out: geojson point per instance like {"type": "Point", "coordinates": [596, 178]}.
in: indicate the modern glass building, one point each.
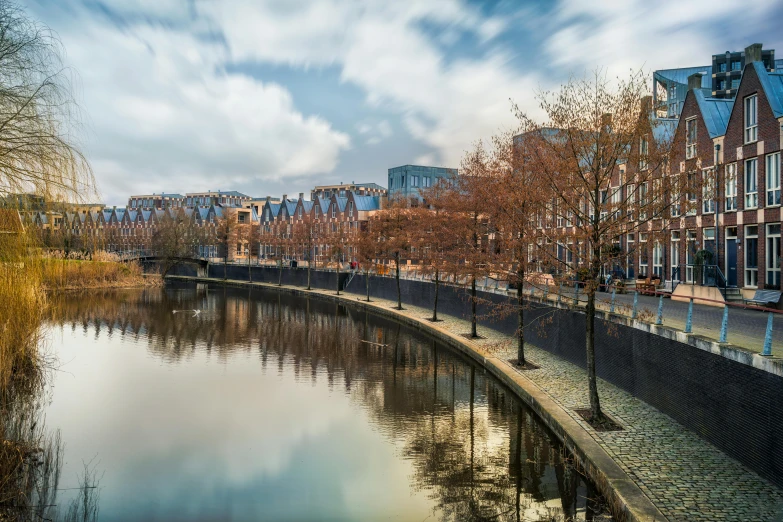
{"type": "Point", "coordinates": [407, 180]}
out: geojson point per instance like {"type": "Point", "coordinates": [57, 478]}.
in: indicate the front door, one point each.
{"type": "Point", "coordinates": [731, 261]}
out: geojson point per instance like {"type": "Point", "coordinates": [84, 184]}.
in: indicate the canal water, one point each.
{"type": "Point", "coordinates": [213, 403]}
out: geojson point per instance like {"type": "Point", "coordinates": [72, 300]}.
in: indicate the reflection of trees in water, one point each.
{"type": "Point", "coordinates": [477, 452]}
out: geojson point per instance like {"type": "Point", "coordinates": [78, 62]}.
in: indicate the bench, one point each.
{"type": "Point", "coordinates": [648, 285]}
{"type": "Point", "coordinates": [764, 297]}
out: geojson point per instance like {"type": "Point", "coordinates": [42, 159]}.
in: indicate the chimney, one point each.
{"type": "Point", "coordinates": [753, 53]}
{"type": "Point", "coordinates": [285, 196]}
{"type": "Point", "coordinates": [694, 81]}
{"type": "Point", "coordinates": [646, 104]}
{"type": "Point", "coordinates": [301, 195]}
{"type": "Point", "coordinates": [268, 199]}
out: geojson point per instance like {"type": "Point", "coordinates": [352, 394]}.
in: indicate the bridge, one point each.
{"type": "Point", "coordinates": [149, 257]}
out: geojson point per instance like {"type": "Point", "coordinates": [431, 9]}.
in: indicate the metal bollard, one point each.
{"type": "Point", "coordinates": [611, 306]}
{"type": "Point", "coordinates": [724, 325]}
{"type": "Point", "coordinates": [689, 320]}
{"type": "Point", "coordinates": [635, 311]}
{"type": "Point", "coordinates": [659, 320]}
{"type": "Point", "coordinates": [559, 293]}
{"type": "Point", "coordinates": [768, 338]}
{"type": "Point", "coordinates": [576, 293]}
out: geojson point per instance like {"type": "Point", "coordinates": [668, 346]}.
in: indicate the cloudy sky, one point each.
{"type": "Point", "coordinates": [275, 96]}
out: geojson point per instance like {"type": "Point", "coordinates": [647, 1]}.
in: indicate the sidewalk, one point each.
{"type": "Point", "coordinates": [685, 477]}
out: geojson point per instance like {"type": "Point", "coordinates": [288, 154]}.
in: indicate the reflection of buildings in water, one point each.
{"type": "Point", "coordinates": [478, 451]}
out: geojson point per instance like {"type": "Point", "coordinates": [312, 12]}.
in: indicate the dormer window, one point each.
{"type": "Point", "coordinates": [334, 211]}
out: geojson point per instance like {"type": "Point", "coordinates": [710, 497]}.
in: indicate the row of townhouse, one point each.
{"type": "Point", "coordinates": [127, 230]}
{"type": "Point", "coordinates": [324, 217]}
{"type": "Point", "coordinates": [734, 144]}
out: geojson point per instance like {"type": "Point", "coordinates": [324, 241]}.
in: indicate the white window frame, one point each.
{"type": "Point", "coordinates": [731, 187]}
{"type": "Point", "coordinates": [691, 141]}
{"type": "Point", "coordinates": [772, 171]}
{"type": "Point", "coordinates": [751, 184]}
{"type": "Point", "coordinates": [708, 191]}
{"type": "Point", "coordinates": [644, 151]}
{"type": "Point", "coordinates": [751, 273]}
{"type": "Point", "coordinates": [773, 260]}
{"type": "Point", "coordinates": [750, 104]}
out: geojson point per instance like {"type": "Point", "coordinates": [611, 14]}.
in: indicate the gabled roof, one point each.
{"type": "Point", "coordinates": [714, 111]}
{"type": "Point", "coordinates": [131, 215]}
{"type": "Point", "coordinates": [218, 211]}
{"type": "Point", "coordinates": [146, 214]}
{"type": "Point", "coordinates": [290, 206]}
{"type": "Point", "coordinates": [275, 209]}
{"type": "Point", "coordinates": [664, 129]}
{"type": "Point", "coordinates": [203, 212]}
{"type": "Point", "coordinates": [307, 205]}
{"type": "Point", "coordinates": [341, 203]}
{"type": "Point", "coordinates": [367, 202]}
{"type": "Point", "coordinates": [323, 203]}
{"type": "Point", "coordinates": [773, 88]}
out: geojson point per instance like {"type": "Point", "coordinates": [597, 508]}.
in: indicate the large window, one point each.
{"type": "Point", "coordinates": [751, 190]}
{"type": "Point", "coordinates": [751, 255]}
{"type": "Point", "coordinates": [708, 191]}
{"type": "Point", "coordinates": [643, 152]}
{"type": "Point", "coordinates": [675, 198]}
{"type": "Point", "coordinates": [658, 259]}
{"type": "Point", "coordinates": [751, 119]}
{"type": "Point", "coordinates": [731, 187]}
{"type": "Point", "coordinates": [427, 181]}
{"type": "Point", "coordinates": [773, 179]}
{"type": "Point", "coordinates": [773, 255]}
{"type": "Point", "coordinates": [690, 138]}
{"type": "Point", "coordinates": [675, 255]}
{"type": "Point", "coordinates": [414, 181]}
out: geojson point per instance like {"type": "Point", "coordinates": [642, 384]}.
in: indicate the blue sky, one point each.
{"type": "Point", "coordinates": [274, 96]}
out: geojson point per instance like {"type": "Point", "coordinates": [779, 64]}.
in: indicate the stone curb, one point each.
{"type": "Point", "coordinates": [628, 501]}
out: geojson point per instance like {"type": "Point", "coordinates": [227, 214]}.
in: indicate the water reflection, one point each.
{"type": "Point", "coordinates": [268, 406]}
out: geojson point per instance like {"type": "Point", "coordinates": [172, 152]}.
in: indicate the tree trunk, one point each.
{"type": "Point", "coordinates": [473, 332]}
{"type": "Point", "coordinates": [225, 265]}
{"type": "Point", "coordinates": [397, 276]}
{"type": "Point", "coordinates": [309, 264]}
{"type": "Point", "coordinates": [367, 281]}
{"type": "Point", "coordinates": [280, 273]}
{"type": "Point", "coordinates": [521, 319]}
{"type": "Point", "coordinates": [435, 304]}
{"type": "Point", "coordinates": [595, 404]}
{"type": "Point", "coordinates": [338, 277]}
{"type": "Point", "coordinates": [249, 270]}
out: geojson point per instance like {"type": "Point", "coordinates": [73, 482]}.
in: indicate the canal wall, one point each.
{"type": "Point", "coordinates": [730, 403]}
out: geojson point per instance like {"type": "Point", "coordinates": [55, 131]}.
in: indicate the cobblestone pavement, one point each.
{"type": "Point", "coordinates": [687, 478]}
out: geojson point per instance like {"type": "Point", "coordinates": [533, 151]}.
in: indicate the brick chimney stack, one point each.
{"type": "Point", "coordinates": [753, 53]}
{"type": "Point", "coordinates": [694, 81]}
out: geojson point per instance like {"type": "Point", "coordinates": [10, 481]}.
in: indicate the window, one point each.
{"type": "Point", "coordinates": [414, 181]}
{"type": "Point", "coordinates": [773, 256]}
{"type": "Point", "coordinates": [751, 255]}
{"type": "Point", "coordinates": [643, 152]}
{"type": "Point", "coordinates": [690, 255]}
{"type": "Point", "coordinates": [731, 187]}
{"type": "Point", "coordinates": [735, 83]}
{"type": "Point", "coordinates": [658, 259]}
{"type": "Point", "coordinates": [675, 198]}
{"type": "Point", "coordinates": [708, 191]}
{"type": "Point", "coordinates": [350, 209]}
{"type": "Point", "coordinates": [751, 191]}
{"type": "Point", "coordinates": [736, 65]}
{"type": "Point", "coordinates": [722, 67]}
{"type": "Point", "coordinates": [427, 182]}
{"type": "Point", "coordinates": [691, 195]}
{"type": "Point", "coordinates": [751, 119]}
{"type": "Point", "coordinates": [334, 211]}
{"type": "Point", "coordinates": [643, 259]}
{"type": "Point", "coordinates": [709, 242]}
{"type": "Point", "coordinates": [643, 201]}
{"type": "Point", "coordinates": [773, 179]}
{"type": "Point", "coordinates": [402, 182]}
{"type": "Point", "coordinates": [675, 255]}
{"type": "Point", "coordinates": [690, 138]}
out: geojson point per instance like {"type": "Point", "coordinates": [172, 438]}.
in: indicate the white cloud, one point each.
{"type": "Point", "coordinates": [165, 115]}
{"type": "Point", "coordinates": [621, 35]}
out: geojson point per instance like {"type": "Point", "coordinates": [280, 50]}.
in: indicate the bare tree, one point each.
{"type": "Point", "coordinates": [602, 159]}
{"type": "Point", "coordinates": [392, 227]}
{"type": "Point", "coordinates": [38, 114]}
{"type": "Point", "coordinates": [173, 240]}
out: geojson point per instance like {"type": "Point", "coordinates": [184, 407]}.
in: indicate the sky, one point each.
{"type": "Point", "coordinates": [272, 97]}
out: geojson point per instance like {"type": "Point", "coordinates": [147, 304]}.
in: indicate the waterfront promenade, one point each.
{"type": "Point", "coordinates": [683, 476]}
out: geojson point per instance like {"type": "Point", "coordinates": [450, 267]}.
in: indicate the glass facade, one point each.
{"type": "Point", "coordinates": [405, 181]}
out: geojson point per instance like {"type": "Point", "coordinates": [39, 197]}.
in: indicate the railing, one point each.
{"type": "Point", "coordinates": [702, 275]}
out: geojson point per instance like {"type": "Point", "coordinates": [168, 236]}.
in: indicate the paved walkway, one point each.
{"type": "Point", "coordinates": [687, 478]}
